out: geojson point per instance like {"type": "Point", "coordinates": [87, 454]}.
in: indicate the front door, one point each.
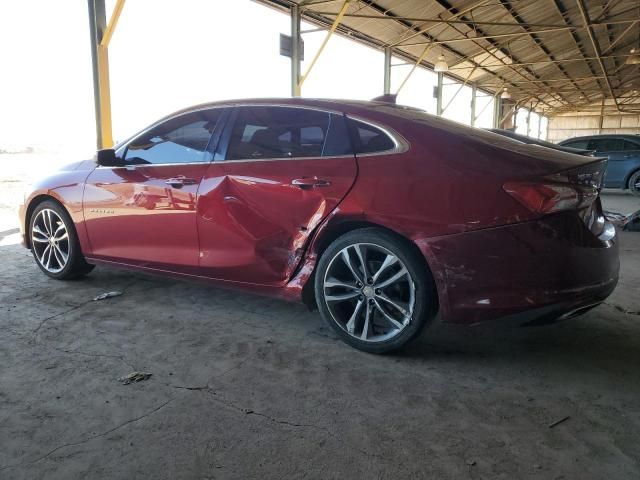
{"type": "Point", "coordinates": [281, 171]}
{"type": "Point", "coordinates": [144, 213]}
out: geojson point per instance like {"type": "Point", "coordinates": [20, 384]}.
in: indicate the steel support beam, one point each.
{"type": "Point", "coordinates": [388, 54]}
{"type": "Point", "coordinates": [389, 15]}
{"type": "Point", "coordinates": [534, 35]}
{"type": "Point", "coordinates": [97, 25]}
{"type": "Point", "coordinates": [295, 50]}
{"type": "Point", "coordinates": [101, 34]}
{"type": "Point", "coordinates": [470, 22]}
{"type": "Point", "coordinates": [497, 108]}
{"type": "Point", "coordinates": [413, 69]}
{"type": "Point", "coordinates": [462, 85]}
{"type": "Point", "coordinates": [439, 94]}
{"type": "Point", "coordinates": [596, 48]}
{"type": "Point", "coordinates": [446, 5]}
{"type": "Point", "coordinates": [474, 91]}
{"type": "Point", "coordinates": [333, 28]}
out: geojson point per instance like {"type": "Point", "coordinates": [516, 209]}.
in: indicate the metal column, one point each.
{"type": "Point", "coordinates": [497, 109]}
{"type": "Point", "coordinates": [387, 70]}
{"type": "Point", "coordinates": [334, 27]}
{"type": "Point", "coordinates": [439, 92]}
{"type": "Point", "coordinates": [101, 33]}
{"type": "Point", "coordinates": [97, 26]}
{"type": "Point", "coordinates": [540, 117]}
{"type": "Point", "coordinates": [528, 122]}
{"type": "Point", "coordinates": [295, 50]}
{"type": "Point", "coordinates": [474, 91]}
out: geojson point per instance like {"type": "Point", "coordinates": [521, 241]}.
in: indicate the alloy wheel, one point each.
{"type": "Point", "coordinates": [50, 240]}
{"type": "Point", "coordinates": [369, 292]}
{"type": "Point", "coordinates": [635, 185]}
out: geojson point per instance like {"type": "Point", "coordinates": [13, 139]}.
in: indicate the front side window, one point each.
{"type": "Point", "coordinates": [265, 132]}
{"type": "Point", "coordinates": [606, 144]}
{"type": "Point", "coordinates": [582, 144]}
{"type": "Point", "coordinates": [369, 139]}
{"type": "Point", "coordinates": [182, 139]}
{"type": "Point", "coordinates": [631, 145]}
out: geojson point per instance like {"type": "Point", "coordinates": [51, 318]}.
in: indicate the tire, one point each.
{"type": "Point", "coordinates": [634, 183]}
{"type": "Point", "coordinates": [397, 310]}
{"type": "Point", "coordinates": [54, 242]}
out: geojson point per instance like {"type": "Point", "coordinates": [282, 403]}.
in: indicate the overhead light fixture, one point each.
{"type": "Point", "coordinates": [633, 59]}
{"type": "Point", "coordinates": [505, 94]}
{"type": "Point", "coordinates": [441, 65]}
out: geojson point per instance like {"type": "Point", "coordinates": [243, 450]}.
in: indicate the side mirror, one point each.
{"type": "Point", "coordinates": [107, 158]}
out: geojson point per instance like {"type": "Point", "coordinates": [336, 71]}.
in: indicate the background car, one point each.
{"type": "Point", "coordinates": [380, 216]}
{"type": "Point", "coordinates": [623, 152]}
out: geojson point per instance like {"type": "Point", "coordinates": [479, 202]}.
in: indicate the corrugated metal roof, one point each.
{"type": "Point", "coordinates": [559, 54]}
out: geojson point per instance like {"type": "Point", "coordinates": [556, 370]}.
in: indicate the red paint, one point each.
{"type": "Point", "coordinates": [246, 225]}
{"type": "Point", "coordinates": [254, 224]}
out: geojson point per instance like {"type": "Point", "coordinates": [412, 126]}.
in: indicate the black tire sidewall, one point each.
{"type": "Point", "coordinates": [415, 264]}
{"type": "Point", "coordinates": [75, 265]}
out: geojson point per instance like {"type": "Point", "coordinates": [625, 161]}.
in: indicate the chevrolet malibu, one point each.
{"type": "Point", "coordinates": [382, 216]}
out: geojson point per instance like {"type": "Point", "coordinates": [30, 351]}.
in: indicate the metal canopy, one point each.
{"type": "Point", "coordinates": [559, 55]}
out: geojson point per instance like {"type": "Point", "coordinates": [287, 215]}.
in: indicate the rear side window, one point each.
{"type": "Point", "coordinates": [631, 145]}
{"type": "Point", "coordinates": [606, 144]}
{"type": "Point", "coordinates": [582, 144]}
{"type": "Point", "coordinates": [369, 139]}
{"type": "Point", "coordinates": [286, 132]}
{"type": "Point", "coordinates": [182, 139]}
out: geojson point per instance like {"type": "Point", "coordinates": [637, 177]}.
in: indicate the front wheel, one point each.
{"type": "Point", "coordinates": [54, 242]}
{"type": "Point", "coordinates": [374, 290]}
{"type": "Point", "coordinates": [634, 183]}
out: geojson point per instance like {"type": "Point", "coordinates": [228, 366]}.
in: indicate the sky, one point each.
{"type": "Point", "coordinates": [166, 55]}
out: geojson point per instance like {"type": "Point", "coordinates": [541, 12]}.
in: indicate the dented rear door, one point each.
{"type": "Point", "coordinates": [279, 171]}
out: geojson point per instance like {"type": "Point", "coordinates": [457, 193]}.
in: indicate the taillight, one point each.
{"type": "Point", "coordinates": [572, 189]}
{"type": "Point", "coordinates": [551, 197]}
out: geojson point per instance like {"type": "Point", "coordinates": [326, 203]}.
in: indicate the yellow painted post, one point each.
{"type": "Point", "coordinates": [333, 28]}
{"type": "Point", "coordinates": [105, 96]}
{"type": "Point", "coordinates": [101, 33]}
{"type": "Point", "coordinates": [103, 76]}
{"type": "Point", "coordinates": [113, 21]}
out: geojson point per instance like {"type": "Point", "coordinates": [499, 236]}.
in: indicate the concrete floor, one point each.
{"type": "Point", "coordinates": [246, 387]}
{"type": "Point", "coordinates": [620, 201]}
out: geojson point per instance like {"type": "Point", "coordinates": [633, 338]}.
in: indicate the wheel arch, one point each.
{"type": "Point", "coordinates": [33, 204]}
{"type": "Point", "coordinates": [627, 180]}
{"type": "Point", "coordinates": [334, 230]}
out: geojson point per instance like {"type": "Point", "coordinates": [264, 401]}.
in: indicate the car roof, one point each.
{"type": "Point", "coordinates": [628, 136]}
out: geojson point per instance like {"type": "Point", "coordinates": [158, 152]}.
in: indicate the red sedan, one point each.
{"type": "Point", "coordinates": [383, 216]}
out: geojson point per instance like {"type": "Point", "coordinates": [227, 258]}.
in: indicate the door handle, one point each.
{"type": "Point", "coordinates": [179, 182]}
{"type": "Point", "coordinates": [310, 182]}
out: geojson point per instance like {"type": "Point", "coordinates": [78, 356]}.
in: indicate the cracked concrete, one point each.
{"type": "Point", "coordinates": [247, 387]}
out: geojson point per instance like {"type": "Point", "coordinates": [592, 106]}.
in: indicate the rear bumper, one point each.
{"type": "Point", "coordinates": [540, 270]}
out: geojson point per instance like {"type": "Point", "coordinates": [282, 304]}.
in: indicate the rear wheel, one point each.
{"type": "Point", "coordinates": [634, 183]}
{"type": "Point", "coordinates": [54, 242]}
{"type": "Point", "coordinates": [374, 290]}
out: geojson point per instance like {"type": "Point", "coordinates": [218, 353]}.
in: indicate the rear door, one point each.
{"type": "Point", "coordinates": [278, 173]}
{"type": "Point", "coordinates": [613, 149]}
{"type": "Point", "coordinates": [144, 213]}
